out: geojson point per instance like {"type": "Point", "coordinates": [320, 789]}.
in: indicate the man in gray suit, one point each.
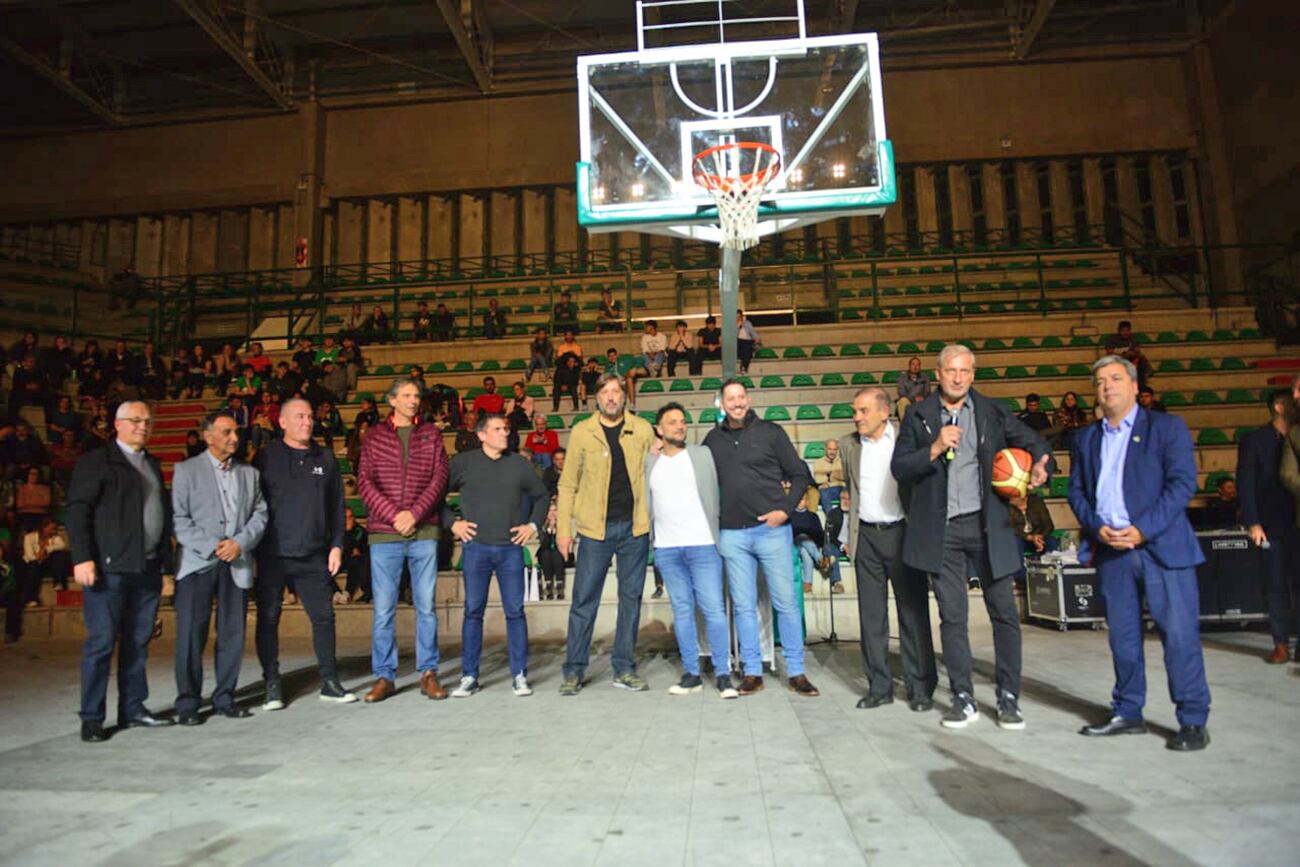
{"type": "Point", "coordinates": [219, 515]}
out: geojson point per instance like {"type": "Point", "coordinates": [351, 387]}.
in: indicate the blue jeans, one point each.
{"type": "Point", "coordinates": [119, 610]}
{"type": "Point", "coordinates": [744, 551]}
{"type": "Point", "coordinates": [693, 576]}
{"type": "Point", "coordinates": [386, 559]}
{"type": "Point", "coordinates": [830, 498]}
{"type": "Point", "coordinates": [479, 562]}
{"type": "Point", "coordinates": [594, 557]}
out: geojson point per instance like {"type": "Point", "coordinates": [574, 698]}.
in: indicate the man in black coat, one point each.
{"type": "Point", "coordinates": [957, 528]}
{"type": "Point", "coordinates": [119, 524]}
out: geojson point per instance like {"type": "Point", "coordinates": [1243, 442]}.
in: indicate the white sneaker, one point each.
{"type": "Point", "coordinates": [273, 704]}
{"type": "Point", "coordinates": [521, 686]}
{"type": "Point", "coordinates": [468, 686]}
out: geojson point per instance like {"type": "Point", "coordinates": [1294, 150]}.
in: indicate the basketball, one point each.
{"type": "Point", "coordinates": [1011, 469]}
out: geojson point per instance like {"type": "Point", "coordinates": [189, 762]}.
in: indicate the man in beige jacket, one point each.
{"type": "Point", "coordinates": [602, 501]}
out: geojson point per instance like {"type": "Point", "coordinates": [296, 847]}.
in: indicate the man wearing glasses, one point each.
{"type": "Point", "coordinates": [119, 520]}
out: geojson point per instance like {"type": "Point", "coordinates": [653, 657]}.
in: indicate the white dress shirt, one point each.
{"type": "Point", "coordinates": [878, 501]}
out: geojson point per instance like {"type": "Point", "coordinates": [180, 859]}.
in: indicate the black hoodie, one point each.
{"type": "Point", "coordinates": [753, 461]}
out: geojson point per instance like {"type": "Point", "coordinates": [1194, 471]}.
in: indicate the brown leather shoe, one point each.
{"type": "Point", "coordinates": [803, 686]}
{"type": "Point", "coordinates": [750, 684]}
{"type": "Point", "coordinates": [1280, 654]}
{"type": "Point", "coordinates": [382, 689]}
{"type": "Point", "coordinates": [430, 687]}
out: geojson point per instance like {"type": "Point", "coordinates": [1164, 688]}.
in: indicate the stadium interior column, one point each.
{"type": "Point", "coordinates": [502, 240]}
{"type": "Point", "coordinates": [1031, 211]}
{"type": "Point", "coordinates": [410, 229]}
{"type": "Point", "coordinates": [121, 244]}
{"type": "Point", "coordinates": [308, 217]}
{"type": "Point", "coordinates": [1162, 195]}
{"type": "Point", "coordinates": [959, 190]}
{"type": "Point", "coordinates": [1062, 204]}
{"type": "Point", "coordinates": [203, 242]}
{"type": "Point", "coordinates": [471, 245]}
{"type": "Point", "coordinates": [1130, 205]}
{"type": "Point", "coordinates": [439, 228]}
{"type": "Point", "coordinates": [566, 221]}
{"type": "Point", "coordinates": [148, 246]}
{"type": "Point", "coordinates": [927, 214]}
{"type": "Point", "coordinates": [995, 208]}
{"type": "Point", "coordinates": [1216, 179]}
{"type": "Point", "coordinates": [379, 234]}
{"type": "Point", "coordinates": [1094, 191]}
{"type": "Point", "coordinates": [261, 238]}
{"type": "Point", "coordinates": [534, 240]}
{"type": "Point", "coordinates": [286, 237]}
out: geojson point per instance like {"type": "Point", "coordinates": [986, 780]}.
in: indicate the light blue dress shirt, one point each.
{"type": "Point", "coordinates": [1111, 508]}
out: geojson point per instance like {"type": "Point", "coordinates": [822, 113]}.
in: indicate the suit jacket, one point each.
{"type": "Point", "coordinates": [706, 486]}
{"type": "Point", "coordinates": [923, 483]}
{"type": "Point", "coordinates": [851, 460]}
{"type": "Point", "coordinates": [104, 512]}
{"type": "Point", "coordinates": [1159, 482]}
{"type": "Point", "coordinates": [1263, 498]}
{"type": "Point", "coordinates": [200, 521]}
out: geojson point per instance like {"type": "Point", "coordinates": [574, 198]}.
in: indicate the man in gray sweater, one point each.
{"type": "Point", "coordinates": [492, 531]}
{"type": "Point", "coordinates": [682, 483]}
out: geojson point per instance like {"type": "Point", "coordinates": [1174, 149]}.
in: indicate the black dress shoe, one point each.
{"type": "Point", "coordinates": [920, 705]}
{"type": "Point", "coordinates": [190, 719]}
{"type": "Point", "coordinates": [147, 720]}
{"type": "Point", "coordinates": [1189, 739]}
{"type": "Point", "coordinates": [93, 732]}
{"type": "Point", "coordinates": [1116, 725]}
{"type": "Point", "coordinates": [867, 702]}
{"type": "Point", "coordinates": [234, 712]}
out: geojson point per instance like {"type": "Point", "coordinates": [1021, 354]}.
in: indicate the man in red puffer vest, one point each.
{"type": "Point", "coordinates": [402, 479]}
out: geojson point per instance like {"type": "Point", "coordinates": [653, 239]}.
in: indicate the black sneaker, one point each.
{"type": "Point", "coordinates": [725, 689]}
{"type": "Point", "coordinates": [332, 690]}
{"type": "Point", "coordinates": [963, 712]}
{"type": "Point", "coordinates": [1009, 715]}
{"type": "Point", "coordinates": [274, 696]}
{"type": "Point", "coordinates": [688, 684]}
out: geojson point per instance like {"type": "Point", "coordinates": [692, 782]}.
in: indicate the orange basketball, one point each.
{"type": "Point", "coordinates": [1011, 469]}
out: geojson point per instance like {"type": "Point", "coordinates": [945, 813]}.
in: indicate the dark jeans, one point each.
{"type": "Point", "coordinates": [358, 569]}
{"type": "Point", "coordinates": [878, 564]}
{"type": "Point", "coordinates": [1283, 582]}
{"type": "Point", "coordinates": [479, 562]}
{"type": "Point", "coordinates": [689, 356]}
{"type": "Point", "coordinates": [119, 611]}
{"type": "Point", "coordinates": [314, 586]}
{"type": "Point", "coordinates": [594, 557]}
{"type": "Point", "coordinates": [195, 594]}
{"type": "Point", "coordinates": [561, 387]}
{"type": "Point", "coordinates": [553, 567]}
{"type": "Point", "coordinates": [965, 555]}
{"type": "Point", "coordinates": [744, 353]}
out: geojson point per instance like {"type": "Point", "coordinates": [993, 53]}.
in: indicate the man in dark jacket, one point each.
{"type": "Point", "coordinates": [402, 478]}
{"type": "Point", "coordinates": [957, 528]}
{"type": "Point", "coordinates": [302, 547]}
{"type": "Point", "coordinates": [119, 522]}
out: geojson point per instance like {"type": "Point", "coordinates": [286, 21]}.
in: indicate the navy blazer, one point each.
{"type": "Point", "coordinates": [1259, 483]}
{"type": "Point", "coordinates": [923, 483]}
{"type": "Point", "coordinates": [1159, 483]}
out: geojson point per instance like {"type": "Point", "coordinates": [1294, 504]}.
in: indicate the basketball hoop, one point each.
{"type": "Point", "coordinates": [736, 174]}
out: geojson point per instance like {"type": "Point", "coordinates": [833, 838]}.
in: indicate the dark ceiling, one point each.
{"type": "Point", "coordinates": [76, 64]}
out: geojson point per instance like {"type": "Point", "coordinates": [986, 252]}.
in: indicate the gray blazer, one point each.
{"type": "Point", "coordinates": [706, 482]}
{"type": "Point", "coordinates": [200, 521]}
{"type": "Point", "coordinates": [851, 457]}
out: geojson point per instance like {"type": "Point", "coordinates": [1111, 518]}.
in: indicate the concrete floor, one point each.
{"type": "Point", "coordinates": [612, 777]}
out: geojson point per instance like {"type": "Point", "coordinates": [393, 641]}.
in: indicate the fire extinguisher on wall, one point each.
{"type": "Point", "coordinates": [300, 253]}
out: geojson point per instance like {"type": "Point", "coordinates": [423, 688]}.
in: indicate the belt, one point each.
{"type": "Point", "coordinates": [880, 526]}
{"type": "Point", "coordinates": [965, 517]}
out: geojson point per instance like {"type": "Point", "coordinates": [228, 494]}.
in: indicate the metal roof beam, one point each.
{"type": "Point", "coordinates": [234, 47]}
{"type": "Point", "coordinates": [63, 82]}
{"type": "Point", "coordinates": [468, 25]}
{"type": "Point", "coordinates": [1027, 36]}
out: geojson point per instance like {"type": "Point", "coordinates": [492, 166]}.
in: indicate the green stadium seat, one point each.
{"type": "Point", "coordinates": [473, 392]}
{"type": "Point", "coordinates": [814, 451]}
{"type": "Point", "coordinates": [746, 381]}
{"type": "Point", "coordinates": [1171, 365]}
{"type": "Point", "coordinates": [1248, 334]}
{"type": "Point", "coordinates": [681, 385]}
{"type": "Point", "coordinates": [648, 415]}
{"type": "Point", "coordinates": [880, 349]}
{"type": "Point", "coordinates": [822, 351]}
{"type": "Point", "coordinates": [765, 354]}
{"type": "Point", "coordinates": [1045, 404]}
{"type": "Point", "coordinates": [841, 410]}
{"type": "Point", "coordinates": [1236, 395]}
{"type": "Point", "coordinates": [935, 346]}
{"type": "Point", "coordinates": [809, 412]}
{"type": "Point", "coordinates": [580, 417]}
{"type": "Point", "coordinates": [794, 352]}
{"type": "Point", "coordinates": [849, 350]}
{"type": "Point", "coordinates": [1196, 336]}
{"type": "Point", "coordinates": [709, 415]}
{"type": "Point", "coordinates": [345, 465]}
{"type": "Point", "coordinates": [994, 343]}
{"type": "Point", "coordinates": [771, 382]}
{"type": "Point", "coordinates": [1212, 436]}
{"type": "Point", "coordinates": [555, 421]}
{"type": "Point", "coordinates": [1047, 370]}
{"type": "Point", "coordinates": [1167, 337]}
{"type": "Point", "coordinates": [1051, 341]}
{"type": "Point", "coordinates": [890, 377]}
{"type": "Point", "coordinates": [436, 367]}
{"type": "Point", "coordinates": [1011, 403]}
{"type": "Point", "coordinates": [535, 391]}
{"type": "Point", "coordinates": [1016, 372]}
{"type": "Point", "coordinates": [1213, 480]}
{"type": "Point", "coordinates": [1082, 340]}
{"type": "Point", "coordinates": [652, 386]}
{"type": "Point", "coordinates": [831, 379]}
{"type": "Point", "coordinates": [1060, 486]}
{"type": "Point", "coordinates": [1201, 365]}
{"type": "Point", "coordinates": [1205, 397]}
{"type": "Point", "coordinates": [863, 377]}
{"type": "Point", "coordinates": [710, 383]}
{"type": "Point", "coordinates": [365, 395]}
{"type": "Point", "coordinates": [802, 380]}
{"type": "Point", "coordinates": [776, 413]}
{"type": "Point", "coordinates": [463, 367]}
{"type": "Point", "coordinates": [1078, 370]}
{"type": "Point", "coordinates": [985, 374]}
{"type": "Point", "coordinates": [490, 365]}
{"type": "Point", "coordinates": [1233, 363]}
{"type": "Point", "coordinates": [384, 370]}
{"type": "Point", "coordinates": [516, 364]}
{"type": "Point", "coordinates": [1022, 343]}
{"type": "Point", "coordinates": [1240, 433]}
{"type": "Point", "coordinates": [358, 506]}
{"type": "Point", "coordinates": [1174, 398]}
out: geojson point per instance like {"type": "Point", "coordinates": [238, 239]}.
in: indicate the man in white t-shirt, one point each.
{"type": "Point", "coordinates": [654, 348]}
{"type": "Point", "coordinates": [682, 484]}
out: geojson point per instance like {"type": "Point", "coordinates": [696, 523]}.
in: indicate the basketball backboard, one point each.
{"type": "Point", "coordinates": [645, 114]}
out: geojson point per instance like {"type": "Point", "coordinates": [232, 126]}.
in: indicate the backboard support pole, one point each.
{"type": "Point", "coordinates": [729, 290]}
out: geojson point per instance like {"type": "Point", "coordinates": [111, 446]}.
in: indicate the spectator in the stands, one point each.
{"type": "Point", "coordinates": [64, 453]}
{"type": "Point", "coordinates": [567, 381]}
{"type": "Point", "coordinates": [520, 415]}
{"type": "Point", "coordinates": [467, 433]}
{"type": "Point", "coordinates": [564, 317]}
{"type": "Point", "coordinates": [126, 286]}
{"type": "Point", "coordinates": [25, 344]}
{"type": "Point", "coordinates": [494, 320]}
{"type": "Point", "coordinates": [809, 536]}
{"type": "Point", "coordinates": [25, 450]}
{"type": "Point", "coordinates": [356, 437]}
{"type": "Point", "coordinates": [260, 361]}
{"type": "Point", "coordinates": [654, 348]}
{"type": "Point", "coordinates": [609, 316]}
{"type": "Point", "coordinates": [489, 401]}
{"type": "Point", "coordinates": [199, 370]}
{"type": "Point", "coordinates": [1033, 415]}
{"type": "Point", "coordinates": [444, 324]}
{"type": "Point", "coordinates": [29, 387]}
{"type": "Point", "coordinates": [541, 355]}
{"type": "Point", "coordinates": [176, 382]}
{"type": "Point", "coordinates": [63, 418]}
{"type": "Point", "coordinates": [193, 445]}
{"type": "Point", "coordinates": [88, 361]}
{"type": "Point", "coordinates": [913, 386]}
{"type": "Point", "coordinates": [99, 426]}
{"type": "Point", "coordinates": [415, 373]}
{"type": "Point", "coordinates": [1121, 343]}
{"type": "Point", "coordinates": [329, 351]}
{"type": "Point", "coordinates": [1067, 419]}
{"type": "Point", "coordinates": [551, 475]}
{"type": "Point", "coordinates": [629, 367]}
{"type": "Point", "coordinates": [243, 420]}
{"type": "Point", "coordinates": [33, 499]}
{"type": "Point", "coordinates": [225, 367]}
{"type": "Point", "coordinates": [59, 362]}
{"type": "Point", "coordinates": [45, 555]}
{"type": "Point", "coordinates": [681, 346]}
{"type": "Point", "coordinates": [708, 342]}
{"type": "Point", "coordinates": [247, 385]}
{"type": "Point", "coordinates": [265, 424]}
{"type": "Point", "coordinates": [334, 379]}
{"type": "Point", "coordinates": [350, 361]}
{"type": "Point", "coordinates": [542, 441]}
{"type": "Point", "coordinates": [422, 324]}
{"type": "Point", "coordinates": [747, 340]}
{"type": "Point", "coordinates": [1032, 523]}
{"type": "Point", "coordinates": [568, 346]}
{"type": "Point", "coordinates": [355, 324]}
{"type": "Point", "coordinates": [1147, 400]}
{"type": "Point", "coordinates": [356, 558]}
{"type": "Point", "coordinates": [375, 328]}
{"type": "Point", "coordinates": [284, 382]}
{"type": "Point", "coordinates": [149, 373]}
{"type": "Point", "coordinates": [304, 357]}
{"type": "Point", "coordinates": [587, 379]}
{"type": "Point", "coordinates": [369, 413]}
{"type": "Point", "coordinates": [828, 475]}
{"type": "Point", "coordinates": [328, 424]}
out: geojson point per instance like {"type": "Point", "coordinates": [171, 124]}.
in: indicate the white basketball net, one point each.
{"type": "Point", "coordinates": [737, 188]}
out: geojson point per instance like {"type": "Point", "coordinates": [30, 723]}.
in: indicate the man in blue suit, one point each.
{"type": "Point", "coordinates": [1132, 475]}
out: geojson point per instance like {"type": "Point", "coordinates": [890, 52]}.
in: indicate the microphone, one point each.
{"type": "Point", "coordinates": [951, 454]}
